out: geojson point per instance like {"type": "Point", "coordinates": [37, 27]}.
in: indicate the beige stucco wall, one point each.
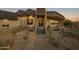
{"type": "Point", "coordinates": [10, 22]}
{"type": "Point", "coordinates": [49, 21]}
{"type": "Point", "coordinates": [23, 20]}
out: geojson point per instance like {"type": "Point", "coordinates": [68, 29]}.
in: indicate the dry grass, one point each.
{"type": "Point", "coordinates": [9, 38]}
{"type": "Point", "coordinates": [63, 40]}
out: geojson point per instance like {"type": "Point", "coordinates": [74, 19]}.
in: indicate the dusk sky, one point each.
{"type": "Point", "coordinates": [69, 13]}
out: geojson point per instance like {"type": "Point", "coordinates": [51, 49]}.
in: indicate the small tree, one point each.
{"type": "Point", "coordinates": [67, 23]}
{"type": "Point", "coordinates": [75, 24]}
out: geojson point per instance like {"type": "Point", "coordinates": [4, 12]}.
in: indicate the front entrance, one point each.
{"type": "Point", "coordinates": [41, 26]}
{"type": "Point", "coordinates": [40, 30]}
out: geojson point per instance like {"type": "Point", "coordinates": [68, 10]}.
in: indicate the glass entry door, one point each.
{"type": "Point", "coordinates": [40, 22]}
{"type": "Point", "coordinates": [41, 26]}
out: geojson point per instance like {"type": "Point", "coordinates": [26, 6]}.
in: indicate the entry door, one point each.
{"type": "Point", "coordinates": [41, 27]}
{"type": "Point", "coordinates": [40, 23]}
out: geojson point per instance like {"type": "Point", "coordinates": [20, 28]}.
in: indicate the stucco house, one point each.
{"type": "Point", "coordinates": [34, 19]}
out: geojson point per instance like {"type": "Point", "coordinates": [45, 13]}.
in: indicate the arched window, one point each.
{"type": "Point", "coordinates": [29, 21]}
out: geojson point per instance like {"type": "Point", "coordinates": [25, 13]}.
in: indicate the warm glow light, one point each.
{"type": "Point", "coordinates": [53, 21]}
{"type": "Point", "coordinates": [5, 20]}
{"type": "Point", "coordinates": [30, 17]}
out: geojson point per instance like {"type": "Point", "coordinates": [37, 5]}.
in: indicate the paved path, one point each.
{"type": "Point", "coordinates": [36, 42]}
{"type": "Point", "coordinates": [41, 43]}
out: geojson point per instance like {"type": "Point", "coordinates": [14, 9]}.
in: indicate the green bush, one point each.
{"type": "Point", "coordinates": [67, 23]}
{"type": "Point", "coordinates": [14, 32]}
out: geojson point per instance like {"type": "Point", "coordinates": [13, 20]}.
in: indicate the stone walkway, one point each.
{"type": "Point", "coordinates": [36, 42]}
{"type": "Point", "coordinates": [41, 43]}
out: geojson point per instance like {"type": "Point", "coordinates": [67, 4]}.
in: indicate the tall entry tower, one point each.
{"type": "Point", "coordinates": [41, 17]}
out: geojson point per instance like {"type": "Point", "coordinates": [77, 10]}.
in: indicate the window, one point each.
{"type": "Point", "coordinates": [53, 23]}
{"type": "Point", "coordinates": [7, 25]}
{"type": "Point", "coordinates": [38, 16]}
{"type": "Point", "coordinates": [29, 21]}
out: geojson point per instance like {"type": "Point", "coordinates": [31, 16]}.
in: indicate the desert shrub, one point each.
{"type": "Point", "coordinates": [75, 33]}
{"type": "Point", "coordinates": [67, 23]}
{"type": "Point", "coordinates": [4, 43]}
{"type": "Point", "coordinates": [14, 32]}
{"type": "Point", "coordinates": [67, 34]}
{"type": "Point", "coordinates": [75, 24]}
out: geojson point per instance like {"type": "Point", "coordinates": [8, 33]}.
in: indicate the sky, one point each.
{"type": "Point", "coordinates": [69, 13]}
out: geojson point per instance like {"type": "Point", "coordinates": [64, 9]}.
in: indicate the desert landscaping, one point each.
{"type": "Point", "coordinates": [37, 30]}
{"type": "Point", "coordinates": [22, 39]}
